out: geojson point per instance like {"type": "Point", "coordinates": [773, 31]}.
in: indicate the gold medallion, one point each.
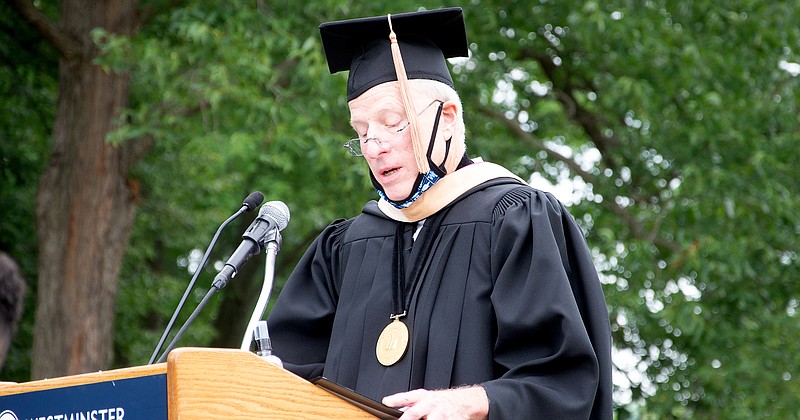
{"type": "Point", "coordinates": [392, 343]}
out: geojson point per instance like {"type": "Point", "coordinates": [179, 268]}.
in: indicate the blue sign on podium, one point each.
{"type": "Point", "coordinates": [139, 398]}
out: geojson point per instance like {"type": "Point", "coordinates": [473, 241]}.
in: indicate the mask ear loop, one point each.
{"type": "Point", "coordinates": [440, 170]}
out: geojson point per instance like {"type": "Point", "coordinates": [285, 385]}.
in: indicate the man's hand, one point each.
{"type": "Point", "coordinates": [458, 403]}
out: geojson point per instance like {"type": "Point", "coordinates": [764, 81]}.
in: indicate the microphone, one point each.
{"type": "Point", "coordinates": [250, 202]}
{"type": "Point", "coordinates": [264, 231]}
{"type": "Point", "coordinates": [272, 244]}
{"type": "Point", "coordinates": [272, 217]}
{"type": "Point", "coordinates": [253, 200]}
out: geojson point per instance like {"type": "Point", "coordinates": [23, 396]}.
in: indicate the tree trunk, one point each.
{"type": "Point", "coordinates": [85, 203]}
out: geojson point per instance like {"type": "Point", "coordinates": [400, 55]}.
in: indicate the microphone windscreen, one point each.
{"type": "Point", "coordinates": [276, 211]}
{"type": "Point", "coordinates": [253, 200]}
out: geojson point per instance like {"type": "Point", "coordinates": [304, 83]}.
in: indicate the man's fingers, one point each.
{"type": "Point", "coordinates": [403, 399]}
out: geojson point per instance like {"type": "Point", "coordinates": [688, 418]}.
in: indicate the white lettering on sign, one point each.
{"type": "Point", "coordinates": [112, 413]}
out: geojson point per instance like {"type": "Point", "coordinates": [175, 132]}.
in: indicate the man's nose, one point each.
{"type": "Point", "coordinates": [373, 147]}
{"type": "Point", "coordinates": [376, 143]}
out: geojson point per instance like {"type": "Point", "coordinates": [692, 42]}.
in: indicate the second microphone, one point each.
{"type": "Point", "coordinates": [272, 218]}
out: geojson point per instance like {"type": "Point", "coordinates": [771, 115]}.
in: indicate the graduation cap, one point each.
{"type": "Point", "coordinates": [397, 47]}
{"type": "Point", "coordinates": [426, 39]}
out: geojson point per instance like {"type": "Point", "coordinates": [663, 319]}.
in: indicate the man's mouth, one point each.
{"type": "Point", "coordinates": [390, 171]}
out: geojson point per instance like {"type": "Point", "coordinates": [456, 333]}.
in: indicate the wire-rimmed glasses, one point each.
{"type": "Point", "coordinates": [354, 146]}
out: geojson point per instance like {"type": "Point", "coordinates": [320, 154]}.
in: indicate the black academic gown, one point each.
{"type": "Point", "coordinates": [509, 299]}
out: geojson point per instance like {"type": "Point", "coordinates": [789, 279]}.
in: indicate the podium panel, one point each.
{"type": "Point", "coordinates": [195, 383]}
{"type": "Point", "coordinates": [129, 394]}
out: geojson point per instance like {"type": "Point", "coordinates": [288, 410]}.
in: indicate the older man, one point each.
{"type": "Point", "coordinates": [462, 292]}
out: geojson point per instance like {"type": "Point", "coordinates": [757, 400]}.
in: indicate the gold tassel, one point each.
{"type": "Point", "coordinates": [420, 148]}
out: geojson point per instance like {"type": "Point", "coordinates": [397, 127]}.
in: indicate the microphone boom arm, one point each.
{"type": "Point", "coordinates": [272, 245]}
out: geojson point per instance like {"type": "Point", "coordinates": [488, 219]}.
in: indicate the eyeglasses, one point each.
{"type": "Point", "coordinates": [355, 145]}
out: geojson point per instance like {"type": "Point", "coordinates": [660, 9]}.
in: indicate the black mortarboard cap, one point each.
{"type": "Point", "coordinates": [426, 40]}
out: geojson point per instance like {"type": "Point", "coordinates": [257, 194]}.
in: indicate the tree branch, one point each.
{"type": "Point", "coordinates": [68, 47]}
{"type": "Point", "coordinates": [635, 226]}
{"type": "Point", "coordinates": [564, 92]}
{"type": "Point", "coordinates": [564, 89]}
{"type": "Point", "coordinates": [538, 143]}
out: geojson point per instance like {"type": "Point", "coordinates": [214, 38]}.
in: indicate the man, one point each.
{"type": "Point", "coordinates": [462, 292]}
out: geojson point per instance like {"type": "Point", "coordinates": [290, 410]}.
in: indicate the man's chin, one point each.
{"type": "Point", "coordinates": [396, 195]}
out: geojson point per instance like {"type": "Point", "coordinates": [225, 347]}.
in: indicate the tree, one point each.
{"type": "Point", "coordinates": [676, 124]}
{"type": "Point", "coordinates": [230, 105]}
{"type": "Point", "coordinates": [88, 178]}
{"type": "Point", "coordinates": [85, 202]}
{"type": "Point", "coordinates": [27, 89]}
{"type": "Point", "coordinates": [678, 119]}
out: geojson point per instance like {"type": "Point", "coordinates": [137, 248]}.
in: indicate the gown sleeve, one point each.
{"type": "Point", "coordinates": [552, 354]}
{"type": "Point", "coordinates": [301, 321]}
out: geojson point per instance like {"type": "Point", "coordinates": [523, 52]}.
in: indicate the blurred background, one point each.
{"type": "Point", "coordinates": [130, 130]}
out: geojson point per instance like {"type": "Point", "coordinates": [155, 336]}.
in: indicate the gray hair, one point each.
{"type": "Point", "coordinates": [443, 92]}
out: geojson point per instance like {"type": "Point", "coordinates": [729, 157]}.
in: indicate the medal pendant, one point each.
{"type": "Point", "coordinates": [392, 343]}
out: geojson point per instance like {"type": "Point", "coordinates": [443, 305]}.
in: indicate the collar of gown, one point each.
{"type": "Point", "coordinates": [447, 190]}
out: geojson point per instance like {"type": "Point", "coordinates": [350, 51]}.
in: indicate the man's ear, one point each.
{"type": "Point", "coordinates": [447, 122]}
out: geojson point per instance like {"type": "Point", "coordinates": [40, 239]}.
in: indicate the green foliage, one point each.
{"type": "Point", "coordinates": [235, 98]}
{"type": "Point", "coordinates": [692, 199]}
{"type": "Point", "coordinates": [27, 106]}
{"type": "Point", "coordinates": [678, 119]}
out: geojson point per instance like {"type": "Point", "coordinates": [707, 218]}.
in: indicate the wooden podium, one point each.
{"type": "Point", "coordinates": [195, 383]}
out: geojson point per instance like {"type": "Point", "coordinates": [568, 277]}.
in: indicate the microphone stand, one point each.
{"type": "Point", "coordinates": [214, 288]}
{"type": "Point", "coordinates": [272, 243]}
{"type": "Point", "coordinates": [192, 282]}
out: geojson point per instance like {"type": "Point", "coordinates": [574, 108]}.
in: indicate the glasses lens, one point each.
{"type": "Point", "coordinates": [354, 147]}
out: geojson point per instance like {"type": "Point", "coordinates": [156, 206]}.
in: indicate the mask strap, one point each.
{"type": "Point", "coordinates": [438, 169]}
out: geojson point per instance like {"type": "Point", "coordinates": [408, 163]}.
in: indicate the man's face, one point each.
{"type": "Point", "coordinates": [379, 113]}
